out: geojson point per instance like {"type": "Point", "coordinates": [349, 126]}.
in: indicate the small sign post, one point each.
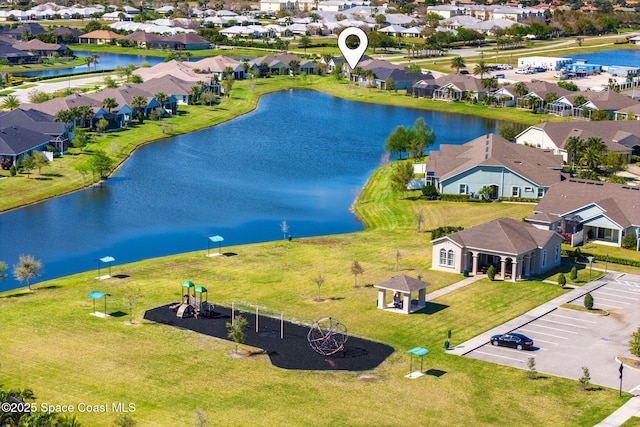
{"type": "Point", "coordinates": [620, 370]}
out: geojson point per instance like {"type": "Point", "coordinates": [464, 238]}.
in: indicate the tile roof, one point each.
{"type": "Point", "coordinates": [101, 34]}
{"type": "Point", "coordinates": [503, 235]}
{"type": "Point", "coordinates": [621, 202]}
{"type": "Point", "coordinates": [538, 166]}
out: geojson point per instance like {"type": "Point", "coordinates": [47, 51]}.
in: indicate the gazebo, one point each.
{"type": "Point", "coordinates": [402, 286]}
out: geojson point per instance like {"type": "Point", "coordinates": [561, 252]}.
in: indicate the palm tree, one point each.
{"type": "Point", "coordinates": [573, 145]}
{"type": "Point", "coordinates": [139, 102]}
{"type": "Point", "coordinates": [294, 65]}
{"type": "Point", "coordinates": [593, 153]}
{"type": "Point", "coordinates": [188, 55]}
{"type": "Point", "coordinates": [481, 68]}
{"type": "Point", "coordinates": [490, 83]}
{"type": "Point", "coordinates": [94, 59]}
{"type": "Point", "coordinates": [194, 94]}
{"type": "Point", "coordinates": [305, 42]}
{"type": "Point", "coordinates": [457, 62]}
{"type": "Point", "coordinates": [10, 102]}
{"type": "Point", "coordinates": [84, 113]}
{"type": "Point", "coordinates": [88, 60]}
{"type": "Point", "coordinates": [109, 103]}
{"type": "Point", "coordinates": [162, 98]}
{"type": "Point", "coordinates": [65, 116]}
{"type": "Point", "coordinates": [520, 89]}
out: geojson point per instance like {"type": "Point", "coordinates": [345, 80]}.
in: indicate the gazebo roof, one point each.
{"type": "Point", "coordinates": [403, 283]}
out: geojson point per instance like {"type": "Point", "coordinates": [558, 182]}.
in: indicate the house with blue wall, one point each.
{"type": "Point", "coordinates": [508, 169]}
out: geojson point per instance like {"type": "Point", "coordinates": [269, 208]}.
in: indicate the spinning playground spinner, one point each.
{"type": "Point", "coordinates": [327, 336]}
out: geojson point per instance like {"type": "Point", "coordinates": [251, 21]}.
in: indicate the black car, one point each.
{"type": "Point", "coordinates": [513, 340]}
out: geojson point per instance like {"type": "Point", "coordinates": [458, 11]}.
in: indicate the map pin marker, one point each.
{"type": "Point", "coordinates": [352, 55]}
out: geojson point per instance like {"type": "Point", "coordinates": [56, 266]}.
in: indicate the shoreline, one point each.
{"type": "Point", "coordinates": [320, 84]}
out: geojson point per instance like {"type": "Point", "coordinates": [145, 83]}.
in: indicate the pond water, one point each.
{"type": "Point", "coordinates": [626, 57]}
{"type": "Point", "coordinates": [300, 157]}
{"type": "Point", "coordinates": [106, 61]}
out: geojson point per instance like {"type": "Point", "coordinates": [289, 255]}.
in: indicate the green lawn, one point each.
{"type": "Point", "coordinates": [52, 344]}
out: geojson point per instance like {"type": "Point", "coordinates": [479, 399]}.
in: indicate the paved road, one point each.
{"type": "Point", "coordinates": [47, 87]}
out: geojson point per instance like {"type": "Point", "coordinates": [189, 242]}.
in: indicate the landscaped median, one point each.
{"type": "Point", "coordinates": [52, 344]}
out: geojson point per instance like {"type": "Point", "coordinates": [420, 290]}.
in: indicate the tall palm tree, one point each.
{"type": "Point", "coordinates": [593, 153]}
{"type": "Point", "coordinates": [84, 113]}
{"type": "Point", "coordinates": [94, 60]}
{"type": "Point", "coordinates": [88, 60]}
{"type": "Point", "coordinates": [481, 68]}
{"type": "Point", "coordinates": [457, 62]}
{"type": "Point", "coordinates": [139, 102]}
{"type": "Point", "coordinates": [162, 98]}
{"type": "Point", "coordinates": [573, 146]}
{"type": "Point", "coordinates": [109, 103]}
{"type": "Point", "coordinates": [10, 102]}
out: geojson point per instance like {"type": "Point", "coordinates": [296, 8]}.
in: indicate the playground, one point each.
{"type": "Point", "coordinates": [292, 351]}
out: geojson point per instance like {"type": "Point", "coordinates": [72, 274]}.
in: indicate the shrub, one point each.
{"type": "Point", "coordinates": [12, 170]}
{"type": "Point", "coordinates": [577, 254]}
{"type": "Point", "coordinates": [574, 273]}
{"type": "Point", "coordinates": [634, 343]}
{"type": "Point", "coordinates": [585, 379]}
{"type": "Point", "coordinates": [588, 301]}
{"type": "Point", "coordinates": [491, 273]}
{"type": "Point", "coordinates": [430, 192]}
{"type": "Point", "coordinates": [443, 231]}
{"type": "Point", "coordinates": [562, 280]}
{"type": "Point", "coordinates": [629, 241]}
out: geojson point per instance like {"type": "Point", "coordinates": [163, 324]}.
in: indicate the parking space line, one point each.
{"type": "Point", "coordinates": [614, 300]}
{"type": "Point", "coordinates": [573, 318]}
{"type": "Point", "coordinates": [498, 355]}
{"type": "Point", "coordinates": [562, 323]}
{"type": "Point", "coordinates": [628, 283]}
{"type": "Point", "coordinates": [615, 295]}
{"type": "Point", "coordinates": [542, 333]}
{"type": "Point", "coordinates": [547, 342]}
{"type": "Point", "coordinates": [555, 329]}
{"type": "Point", "coordinates": [636, 293]}
{"type": "Point", "coordinates": [635, 388]}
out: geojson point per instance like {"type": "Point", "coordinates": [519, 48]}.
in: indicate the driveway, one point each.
{"type": "Point", "coordinates": [565, 339]}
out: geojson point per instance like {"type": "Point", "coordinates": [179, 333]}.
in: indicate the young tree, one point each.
{"type": "Point", "coordinates": [588, 301]}
{"type": "Point", "coordinates": [101, 163]}
{"type": "Point", "coordinates": [284, 227]}
{"type": "Point", "coordinates": [562, 280]}
{"type": "Point", "coordinates": [80, 139]}
{"type": "Point", "coordinates": [398, 141]}
{"type": "Point", "coordinates": [634, 343]}
{"type": "Point", "coordinates": [237, 330]}
{"type": "Point", "coordinates": [585, 379]}
{"type": "Point", "coordinates": [402, 175]}
{"type": "Point", "coordinates": [124, 420]}
{"type": "Point", "coordinates": [101, 125]}
{"type": "Point", "coordinates": [39, 161]}
{"type": "Point", "coordinates": [531, 364]}
{"type": "Point", "coordinates": [508, 132]}
{"type": "Point", "coordinates": [418, 214]}
{"type": "Point", "coordinates": [420, 138]}
{"type": "Point", "coordinates": [356, 269]}
{"type": "Point", "coordinates": [130, 298]}
{"type": "Point", "coordinates": [10, 102]}
{"type": "Point", "coordinates": [27, 164]}
{"type": "Point", "coordinates": [27, 269]}
{"type": "Point", "coordinates": [305, 42]}
{"type": "Point", "coordinates": [319, 281]}
{"type": "Point", "coordinates": [397, 260]}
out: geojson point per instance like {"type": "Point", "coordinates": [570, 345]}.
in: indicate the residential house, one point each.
{"type": "Point", "coordinates": [538, 92]}
{"type": "Point", "coordinates": [99, 37]}
{"type": "Point", "coordinates": [181, 41]}
{"type": "Point", "coordinates": [16, 141]}
{"type": "Point", "coordinates": [628, 113]}
{"type": "Point", "coordinates": [515, 249]}
{"type": "Point", "coordinates": [458, 87]}
{"type": "Point", "coordinates": [618, 136]}
{"type": "Point", "coordinates": [31, 29]}
{"type": "Point", "coordinates": [606, 100]}
{"type": "Point", "coordinates": [279, 64]}
{"type": "Point", "coordinates": [401, 78]}
{"type": "Point", "coordinates": [39, 48]}
{"type": "Point", "coordinates": [186, 71]}
{"type": "Point", "coordinates": [274, 6]}
{"type": "Point", "coordinates": [601, 212]}
{"type": "Point", "coordinates": [508, 169]}
{"type": "Point", "coordinates": [218, 65]}
{"type": "Point", "coordinates": [39, 122]}
{"type": "Point", "coordinates": [423, 88]}
{"type": "Point", "coordinates": [15, 56]}
{"type": "Point", "coordinates": [66, 34]}
{"type": "Point", "coordinates": [143, 39]}
{"type": "Point", "coordinates": [179, 91]}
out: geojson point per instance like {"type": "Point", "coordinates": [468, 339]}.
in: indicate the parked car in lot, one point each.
{"type": "Point", "coordinates": [524, 71]}
{"type": "Point", "coordinates": [499, 76]}
{"type": "Point", "coordinates": [540, 69]}
{"type": "Point", "coordinates": [513, 340]}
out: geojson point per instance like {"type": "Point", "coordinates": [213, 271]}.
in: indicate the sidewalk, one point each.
{"type": "Point", "coordinates": [622, 414]}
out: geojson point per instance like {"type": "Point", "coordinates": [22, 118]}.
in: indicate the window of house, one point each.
{"type": "Point", "coordinates": [443, 257]}
{"type": "Point", "coordinates": [463, 188]}
{"type": "Point", "coordinates": [528, 189]}
{"type": "Point", "coordinates": [515, 191]}
{"type": "Point", "coordinates": [450, 258]}
{"type": "Point", "coordinates": [540, 192]}
{"type": "Point", "coordinates": [544, 258]}
{"type": "Point", "coordinates": [557, 257]}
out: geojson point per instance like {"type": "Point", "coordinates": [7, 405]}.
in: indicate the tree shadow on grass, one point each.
{"type": "Point", "coordinates": [43, 178]}
{"type": "Point", "coordinates": [230, 254]}
{"type": "Point", "coordinates": [49, 287]}
{"type": "Point", "coordinates": [121, 276]}
{"type": "Point", "coordinates": [21, 294]}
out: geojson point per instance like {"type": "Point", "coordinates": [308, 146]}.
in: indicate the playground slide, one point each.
{"type": "Point", "coordinates": [185, 310]}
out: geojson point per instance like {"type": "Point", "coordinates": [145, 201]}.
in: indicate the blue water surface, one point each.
{"type": "Point", "coordinates": [300, 157]}
{"type": "Point", "coordinates": [626, 57]}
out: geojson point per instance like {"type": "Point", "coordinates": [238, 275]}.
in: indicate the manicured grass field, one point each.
{"type": "Point", "coordinates": [51, 343]}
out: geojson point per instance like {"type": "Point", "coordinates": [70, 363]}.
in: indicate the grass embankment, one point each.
{"type": "Point", "coordinates": [24, 68]}
{"type": "Point", "coordinates": [61, 176]}
{"type": "Point", "coordinates": [52, 344]}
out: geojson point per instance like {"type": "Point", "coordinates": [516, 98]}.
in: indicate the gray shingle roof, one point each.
{"type": "Point", "coordinates": [403, 283]}
{"type": "Point", "coordinates": [621, 202]}
{"type": "Point", "coordinates": [610, 131]}
{"type": "Point", "coordinates": [503, 235]}
{"type": "Point", "coordinates": [464, 82]}
{"type": "Point", "coordinates": [15, 140]}
{"type": "Point", "coordinates": [34, 120]}
{"type": "Point", "coordinates": [538, 166]}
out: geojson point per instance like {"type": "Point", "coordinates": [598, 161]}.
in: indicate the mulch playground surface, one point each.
{"type": "Point", "coordinates": [292, 352]}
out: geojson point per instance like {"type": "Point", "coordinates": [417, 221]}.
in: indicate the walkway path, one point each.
{"type": "Point", "coordinates": [48, 87]}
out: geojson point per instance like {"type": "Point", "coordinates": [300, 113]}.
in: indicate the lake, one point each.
{"type": "Point", "coordinates": [627, 57]}
{"type": "Point", "coordinates": [300, 157]}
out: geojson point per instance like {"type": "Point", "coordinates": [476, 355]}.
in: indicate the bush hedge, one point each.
{"type": "Point", "coordinates": [597, 257]}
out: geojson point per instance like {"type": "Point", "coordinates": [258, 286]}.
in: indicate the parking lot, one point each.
{"type": "Point", "coordinates": [566, 339]}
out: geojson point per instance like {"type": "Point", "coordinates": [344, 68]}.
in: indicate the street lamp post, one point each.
{"type": "Point", "coordinates": [590, 259]}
